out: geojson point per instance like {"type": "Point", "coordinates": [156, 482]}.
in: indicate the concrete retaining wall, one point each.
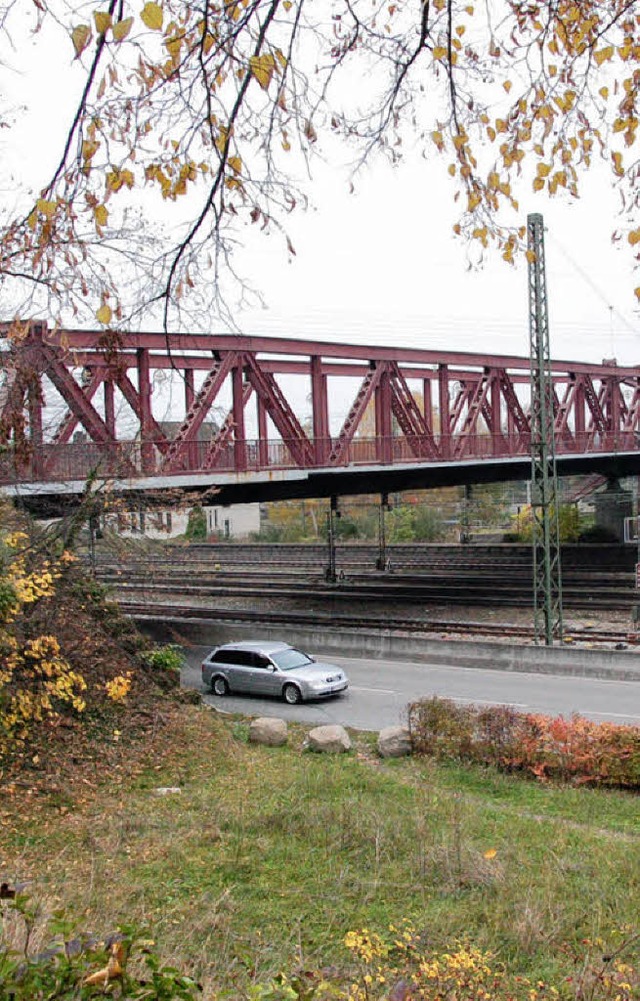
{"type": "Point", "coordinates": [609, 664]}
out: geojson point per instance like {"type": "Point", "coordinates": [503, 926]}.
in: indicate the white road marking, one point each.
{"type": "Point", "coordinates": [592, 712]}
{"type": "Point", "coordinates": [487, 702]}
{"type": "Point", "coordinates": [383, 691]}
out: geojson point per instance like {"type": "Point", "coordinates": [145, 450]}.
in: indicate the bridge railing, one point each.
{"type": "Point", "coordinates": [133, 459]}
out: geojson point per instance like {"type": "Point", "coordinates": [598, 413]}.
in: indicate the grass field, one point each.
{"type": "Point", "coordinates": [267, 857]}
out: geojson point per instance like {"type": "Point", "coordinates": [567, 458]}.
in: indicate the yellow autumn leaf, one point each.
{"type": "Point", "coordinates": [507, 85]}
{"type": "Point", "coordinates": [152, 16]}
{"type": "Point", "coordinates": [103, 21]}
{"type": "Point", "coordinates": [262, 68]}
{"type": "Point", "coordinates": [617, 164]}
{"type": "Point", "coordinates": [473, 201]}
{"type": "Point", "coordinates": [287, 4]}
{"type": "Point", "coordinates": [235, 163]}
{"type": "Point", "coordinates": [602, 55]}
{"type": "Point", "coordinates": [490, 853]}
{"type": "Point", "coordinates": [89, 148]}
{"type": "Point", "coordinates": [80, 36]}
{"type": "Point", "coordinates": [47, 208]}
{"type": "Point", "coordinates": [634, 237]}
{"type": "Point", "coordinates": [122, 28]}
{"type": "Point", "coordinates": [636, 292]}
{"type": "Point", "coordinates": [104, 314]}
{"type": "Point", "coordinates": [101, 215]}
{"type": "Point", "coordinates": [439, 52]}
{"type": "Point", "coordinates": [538, 184]}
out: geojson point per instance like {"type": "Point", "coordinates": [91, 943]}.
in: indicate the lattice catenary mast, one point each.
{"type": "Point", "coordinates": [547, 580]}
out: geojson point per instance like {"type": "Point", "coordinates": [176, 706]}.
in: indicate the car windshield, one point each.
{"type": "Point", "coordinates": [287, 660]}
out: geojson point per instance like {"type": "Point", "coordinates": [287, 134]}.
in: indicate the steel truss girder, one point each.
{"type": "Point", "coordinates": [281, 413]}
{"type": "Point", "coordinates": [514, 407]}
{"type": "Point", "coordinates": [78, 403]}
{"type": "Point", "coordinates": [362, 399]}
{"type": "Point", "coordinates": [632, 415]}
{"type": "Point", "coordinates": [226, 432]}
{"type": "Point", "coordinates": [476, 399]}
{"type": "Point", "coordinates": [414, 425]}
{"type": "Point", "coordinates": [188, 430]}
{"type": "Point", "coordinates": [588, 402]}
{"type": "Point", "coordinates": [133, 398]}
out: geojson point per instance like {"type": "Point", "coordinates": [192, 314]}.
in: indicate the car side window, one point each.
{"type": "Point", "coordinates": [259, 660]}
{"type": "Point", "coordinates": [240, 658]}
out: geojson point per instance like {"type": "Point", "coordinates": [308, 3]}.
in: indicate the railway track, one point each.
{"type": "Point", "coordinates": [501, 630]}
{"type": "Point", "coordinates": [286, 583]}
{"type": "Point", "coordinates": [504, 594]}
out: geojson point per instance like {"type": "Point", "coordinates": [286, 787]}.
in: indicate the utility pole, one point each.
{"type": "Point", "coordinates": [332, 514]}
{"type": "Point", "coordinates": [381, 562]}
{"type": "Point", "coordinates": [547, 582]}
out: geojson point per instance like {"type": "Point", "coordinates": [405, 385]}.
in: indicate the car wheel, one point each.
{"type": "Point", "coordinates": [292, 695]}
{"type": "Point", "coordinates": [219, 686]}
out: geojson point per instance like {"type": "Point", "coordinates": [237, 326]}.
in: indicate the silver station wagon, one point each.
{"type": "Point", "coordinates": [271, 669]}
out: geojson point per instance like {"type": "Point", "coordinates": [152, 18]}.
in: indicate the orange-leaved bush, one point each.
{"type": "Point", "coordinates": [572, 750]}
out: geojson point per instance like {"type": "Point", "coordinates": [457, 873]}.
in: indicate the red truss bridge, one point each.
{"type": "Point", "coordinates": [261, 417]}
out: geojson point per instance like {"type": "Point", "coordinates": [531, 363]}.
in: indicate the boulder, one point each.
{"type": "Point", "coordinates": [394, 742]}
{"type": "Point", "coordinates": [268, 730]}
{"type": "Point", "coordinates": [333, 739]}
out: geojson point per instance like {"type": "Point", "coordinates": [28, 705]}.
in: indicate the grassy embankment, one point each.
{"type": "Point", "coordinates": [268, 856]}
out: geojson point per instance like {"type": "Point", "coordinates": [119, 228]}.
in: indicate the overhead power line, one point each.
{"type": "Point", "coordinates": [592, 285]}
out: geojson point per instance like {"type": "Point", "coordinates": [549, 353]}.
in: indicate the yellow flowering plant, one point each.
{"type": "Point", "coordinates": [119, 687]}
{"type": "Point", "coordinates": [399, 968]}
{"type": "Point", "coordinates": [35, 678]}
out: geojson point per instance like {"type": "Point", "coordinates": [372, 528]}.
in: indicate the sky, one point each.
{"type": "Point", "coordinates": [381, 265]}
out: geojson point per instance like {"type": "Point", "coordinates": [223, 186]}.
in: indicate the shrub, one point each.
{"type": "Point", "coordinates": [441, 728]}
{"type": "Point", "coordinates": [164, 664]}
{"type": "Point", "coordinates": [196, 525]}
{"type": "Point", "coordinates": [598, 533]}
{"type": "Point", "coordinates": [569, 750]}
{"type": "Point", "coordinates": [401, 968]}
{"type": "Point", "coordinates": [80, 966]}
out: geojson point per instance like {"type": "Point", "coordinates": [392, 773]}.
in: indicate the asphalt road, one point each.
{"type": "Point", "coordinates": [380, 690]}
